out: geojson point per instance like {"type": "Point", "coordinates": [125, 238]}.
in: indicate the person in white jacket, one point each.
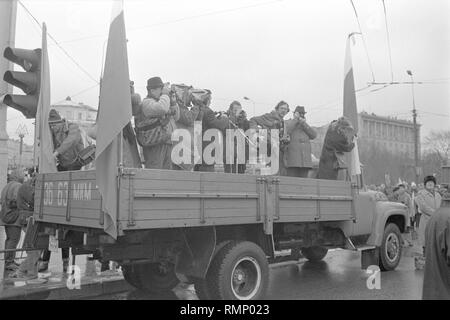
{"type": "Point", "coordinates": [428, 201]}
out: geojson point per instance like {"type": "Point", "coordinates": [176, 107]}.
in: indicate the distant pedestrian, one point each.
{"type": "Point", "coordinates": [436, 280]}
{"type": "Point", "coordinates": [9, 218]}
{"type": "Point", "coordinates": [428, 201]}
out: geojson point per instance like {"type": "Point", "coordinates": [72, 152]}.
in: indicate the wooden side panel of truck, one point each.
{"type": "Point", "coordinates": [152, 199]}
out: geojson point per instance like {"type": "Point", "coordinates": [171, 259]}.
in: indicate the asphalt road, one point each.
{"type": "Point", "coordinates": [338, 276]}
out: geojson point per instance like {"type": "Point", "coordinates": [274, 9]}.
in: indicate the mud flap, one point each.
{"type": "Point", "coordinates": [370, 257]}
{"type": "Point", "coordinates": [197, 253]}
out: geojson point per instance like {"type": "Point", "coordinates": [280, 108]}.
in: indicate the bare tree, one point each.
{"type": "Point", "coordinates": [438, 142]}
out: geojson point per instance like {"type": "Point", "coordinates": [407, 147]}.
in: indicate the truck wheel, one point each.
{"type": "Point", "coordinates": [157, 277]}
{"type": "Point", "coordinates": [239, 271]}
{"type": "Point", "coordinates": [130, 275]}
{"type": "Point", "coordinates": [391, 248]}
{"type": "Point", "coordinates": [314, 254]}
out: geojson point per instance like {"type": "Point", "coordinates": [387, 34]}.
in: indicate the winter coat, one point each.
{"type": "Point", "coordinates": [436, 279]}
{"type": "Point", "coordinates": [186, 121]}
{"type": "Point", "coordinates": [67, 140]}
{"type": "Point", "coordinates": [209, 121]}
{"type": "Point", "coordinates": [270, 121]}
{"type": "Point", "coordinates": [152, 110]}
{"type": "Point", "coordinates": [334, 145]}
{"type": "Point", "coordinates": [427, 202]}
{"type": "Point", "coordinates": [298, 152]}
{"type": "Point", "coordinates": [243, 125]}
{"type": "Point", "coordinates": [8, 201]}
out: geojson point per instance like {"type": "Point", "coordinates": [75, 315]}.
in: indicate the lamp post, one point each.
{"type": "Point", "coordinates": [416, 138]}
{"type": "Point", "coordinates": [21, 132]}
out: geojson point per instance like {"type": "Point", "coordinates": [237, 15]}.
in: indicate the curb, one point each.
{"type": "Point", "coordinates": [88, 289]}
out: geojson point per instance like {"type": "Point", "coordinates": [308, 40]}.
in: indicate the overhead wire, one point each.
{"type": "Point", "coordinates": [59, 46]}
{"type": "Point", "coordinates": [364, 41]}
{"type": "Point", "coordinates": [388, 40]}
{"type": "Point", "coordinates": [179, 20]}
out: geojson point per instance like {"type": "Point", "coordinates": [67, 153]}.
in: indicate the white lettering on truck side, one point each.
{"type": "Point", "coordinates": [80, 191]}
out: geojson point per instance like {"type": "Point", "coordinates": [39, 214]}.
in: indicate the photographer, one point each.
{"type": "Point", "coordinates": [298, 152]}
{"type": "Point", "coordinates": [237, 121]}
{"type": "Point", "coordinates": [188, 115]}
{"type": "Point", "coordinates": [202, 99]}
{"type": "Point", "coordinates": [155, 122]}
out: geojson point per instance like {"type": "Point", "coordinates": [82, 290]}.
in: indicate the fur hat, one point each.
{"type": "Point", "coordinates": [429, 178]}
{"type": "Point", "coordinates": [54, 117]}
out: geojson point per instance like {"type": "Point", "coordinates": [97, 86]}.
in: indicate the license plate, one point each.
{"type": "Point", "coordinates": [53, 244]}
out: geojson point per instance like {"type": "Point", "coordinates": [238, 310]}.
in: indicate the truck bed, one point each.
{"type": "Point", "coordinates": [150, 199]}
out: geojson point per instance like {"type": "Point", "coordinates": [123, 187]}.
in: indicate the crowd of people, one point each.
{"type": "Point", "coordinates": [169, 107]}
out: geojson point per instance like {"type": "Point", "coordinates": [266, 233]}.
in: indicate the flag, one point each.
{"type": "Point", "coordinates": [114, 114]}
{"type": "Point", "coordinates": [43, 141]}
{"type": "Point", "coordinates": [350, 109]}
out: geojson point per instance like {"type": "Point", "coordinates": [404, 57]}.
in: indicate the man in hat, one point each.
{"type": "Point", "coordinates": [436, 280]}
{"type": "Point", "coordinates": [157, 106]}
{"type": "Point", "coordinates": [428, 201]}
{"type": "Point", "coordinates": [67, 142]}
{"type": "Point", "coordinates": [298, 154]}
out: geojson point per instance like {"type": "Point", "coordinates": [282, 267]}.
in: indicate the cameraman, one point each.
{"type": "Point", "coordinates": [237, 121]}
{"type": "Point", "coordinates": [209, 121]}
{"type": "Point", "coordinates": [158, 105]}
{"type": "Point", "coordinates": [188, 115]}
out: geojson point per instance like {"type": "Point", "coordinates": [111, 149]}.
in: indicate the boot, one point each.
{"type": "Point", "coordinates": [65, 265]}
{"type": "Point", "coordinates": [43, 266]}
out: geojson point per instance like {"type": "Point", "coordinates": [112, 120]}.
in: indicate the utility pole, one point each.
{"type": "Point", "coordinates": [416, 136]}
{"type": "Point", "coordinates": [8, 12]}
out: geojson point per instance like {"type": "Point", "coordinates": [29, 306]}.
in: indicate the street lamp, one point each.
{"type": "Point", "coordinates": [416, 138]}
{"type": "Point", "coordinates": [253, 102]}
{"type": "Point", "coordinates": [21, 132]}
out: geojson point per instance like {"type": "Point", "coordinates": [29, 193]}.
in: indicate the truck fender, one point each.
{"type": "Point", "coordinates": [397, 214]}
{"type": "Point", "coordinates": [197, 251]}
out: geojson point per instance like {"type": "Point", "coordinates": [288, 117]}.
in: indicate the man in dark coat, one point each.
{"type": "Point", "coordinates": [67, 142]}
{"type": "Point", "coordinates": [298, 152]}
{"type": "Point", "coordinates": [9, 218]}
{"type": "Point", "coordinates": [436, 280]}
{"type": "Point", "coordinates": [338, 139]}
{"type": "Point", "coordinates": [209, 121]}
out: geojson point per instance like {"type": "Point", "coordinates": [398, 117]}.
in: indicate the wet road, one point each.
{"type": "Point", "coordinates": [338, 276]}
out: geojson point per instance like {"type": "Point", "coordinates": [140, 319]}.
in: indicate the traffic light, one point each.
{"type": "Point", "coordinates": [28, 81]}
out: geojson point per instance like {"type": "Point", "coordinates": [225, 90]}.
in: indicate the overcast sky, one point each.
{"type": "Point", "coordinates": [266, 50]}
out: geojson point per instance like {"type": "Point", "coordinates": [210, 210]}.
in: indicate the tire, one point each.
{"type": "Point", "coordinates": [130, 275]}
{"type": "Point", "coordinates": [314, 254]}
{"type": "Point", "coordinates": [391, 248]}
{"type": "Point", "coordinates": [239, 271]}
{"type": "Point", "coordinates": [156, 278]}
